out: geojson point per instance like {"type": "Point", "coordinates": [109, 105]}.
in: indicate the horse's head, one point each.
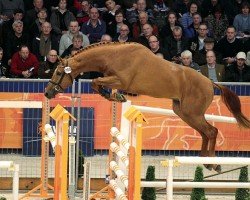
{"type": "Point", "coordinates": [60, 80]}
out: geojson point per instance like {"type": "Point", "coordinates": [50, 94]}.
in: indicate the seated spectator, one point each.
{"type": "Point", "coordinates": [7, 26]}
{"type": "Point", "coordinates": [197, 43]}
{"type": "Point", "coordinates": [24, 64]}
{"type": "Point", "coordinates": [211, 69]}
{"type": "Point", "coordinates": [187, 18]}
{"type": "Point", "coordinates": [43, 43]}
{"type": "Point", "coordinates": [167, 29]}
{"type": "Point", "coordinates": [180, 7]}
{"type": "Point", "coordinates": [208, 7]}
{"type": "Point", "coordinates": [141, 6]}
{"type": "Point", "coordinates": [193, 30]}
{"type": "Point", "coordinates": [137, 27]}
{"type": "Point", "coordinates": [109, 16]}
{"type": "Point", "coordinates": [161, 10]}
{"type": "Point", "coordinates": [114, 28]}
{"type": "Point", "coordinates": [200, 56]}
{"type": "Point", "coordinates": [60, 19]}
{"type": "Point", "coordinates": [31, 14]}
{"type": "Point", "coordinates": [77, 42]}
{"type": "Point", "coordinates": [95, 27]}
{"type": "Point", "coordinates": [4, 69]}
{"type": "Point", "coordinates": [124, 35]}
{"type": "Point", "coordinates": [217, 23]}
{"type": "Point", "coordinates": [231, 8]}
{"type": "Point", "coordinates": [35, 28]}
{"type": "Point", "coordinates": [248, 59]}
{"type": "Point", "coordinates": [83, 15]}
{"type": "Point", "coordinates": [155, 47]}
{"type": "Point", "coordinates": [238, 72]}
{"type": "Point", "coordinates": [66, 39]}
{"type": "Point", "coordinates": [229, 46]}
{"type": "Point", "coordinates": [186, 60]}
{"type": "Point", "coordinates": [47, 67]}
{"type": "Point", "coordinates": [14, 41]}
{"type": "Point", "coordinates": [106, 38]}
{"type": "Point", "coordinates": [242, 21]}
{"type": "Point", "coordinates": [147, 32]}
{"type": "Point", "coordinates": [7, 8]}
{"type": "Point", "coordinates": [175, 44]}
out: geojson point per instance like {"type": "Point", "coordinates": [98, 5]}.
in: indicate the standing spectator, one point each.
{"type": "Point", "coordinates": [229, 46]}
{"type": "Point", "coordinates": [175, 44]}
{"type": "Point", "coordinates": [35, 28]}
{"type": "Point", "coordinates": [211, 69]}
{"type": "Point", "coordinates": [238, 72]}
{"type": "Point", "coordinates": [124, 34]}
{"type": "Point", "coordinates": [167, 29]}
{"type": "Point", "coordinates": [47, 68]}
{"type": "Point", "coordinates": [83, 15]}
{"type": "Point", "coordinates": [197, 43]}
{"type": "Point", "coordinates": [141, 6]}
{"type": "Point", "coordinates": [147, 32]}
{"type": "Point", "coordinates": [193, 30]}
{"type": "Point", "coordinates": [187, 18]}
{"type": "Point", "coordinates": [154, 45]}
{"type": "Point", "coordinates": [66, 39]}
{"type": "Point", "coordinates": [137, 27]}
{"type": "Point", "coordinates": [61, 18]}
{"type": "Point", "coordinates": [4, 69]}
{"type": "Point", "coordinates": [242, 21]}
{"type": "Point", "coordinates": [7, 8]}
{"type": "Point", "coordinates": [31, 14]}
{"type": "Point", "coordinates": [15, 41]}
{"type": "Point", "coordinates": [43, 43]}
{"type": "Point", "coordinates": [24, 64]}
{"type": "Point", "coordinates": [77, 42]}
{"type": "Point", "coordinates": [186, 60]}
{"type": "Point", "coordinates": [217, 23]}
{"type": "Point", "coordinates": [95, 27]}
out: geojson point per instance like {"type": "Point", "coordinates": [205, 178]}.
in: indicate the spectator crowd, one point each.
{"type": "Point", "coordinates": [210, 36]}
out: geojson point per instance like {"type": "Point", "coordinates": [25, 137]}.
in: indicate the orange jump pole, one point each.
{"type": "Point", "coordinates": [62, 117]}
{"type": "Point", "coordinates": [135, 140]}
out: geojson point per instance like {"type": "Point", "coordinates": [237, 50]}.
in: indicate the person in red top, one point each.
{"type": "Point", "coordinates": [24, 64]}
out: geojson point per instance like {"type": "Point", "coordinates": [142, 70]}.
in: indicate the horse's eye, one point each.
{"type": "Point", "coordinates": [58, 73]}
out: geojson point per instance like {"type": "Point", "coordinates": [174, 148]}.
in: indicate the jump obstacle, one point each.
{"type": "Point", "coordinates": [15, 168]}
{"type": "Point", "coordinates": [135, 116]}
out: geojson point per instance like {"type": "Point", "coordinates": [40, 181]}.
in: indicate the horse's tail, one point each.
{"type": "Point", "coordinates": [233, 104]}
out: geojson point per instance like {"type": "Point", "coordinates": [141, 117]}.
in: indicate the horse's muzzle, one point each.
{"type": "Point", "coordinates": [50, 94]}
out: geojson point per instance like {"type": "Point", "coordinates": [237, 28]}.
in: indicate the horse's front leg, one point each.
{"type": "Point", "coordinates": [113, 82]}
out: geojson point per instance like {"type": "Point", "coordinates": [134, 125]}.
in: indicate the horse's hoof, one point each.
{"type": "Point", "coordinates": [209, 167]}
{"type": "Point", "coordinates": [218, 168]}
{"type": "Point", "coordinates": [120, 97]}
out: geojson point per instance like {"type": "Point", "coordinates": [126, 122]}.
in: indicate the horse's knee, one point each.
{"type": "Point", "coordinates": [212, 134]}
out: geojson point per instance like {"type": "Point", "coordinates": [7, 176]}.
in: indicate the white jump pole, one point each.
{"type": "Point", "coordinates": [162, 184]}
{"type": "Point", "coordinates": [212, 160]}
{"type": "Point", "coordinates": [168, 112]}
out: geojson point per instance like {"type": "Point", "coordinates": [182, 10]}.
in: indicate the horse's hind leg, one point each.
{"type": "Point", "coordinates": [193, 115]}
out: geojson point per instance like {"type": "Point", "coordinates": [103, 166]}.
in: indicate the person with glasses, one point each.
{"type": "Point", "coordinates": [124, 35]}
{"type": "Point", "coordinates": [155, 47]}
{"type": "Point", "coordinates": [197, 43]}
{"type": "Point", "coordinates": [47, 68]}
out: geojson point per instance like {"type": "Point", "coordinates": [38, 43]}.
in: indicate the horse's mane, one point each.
{"type": "Point", "coordinates": [99, 44]}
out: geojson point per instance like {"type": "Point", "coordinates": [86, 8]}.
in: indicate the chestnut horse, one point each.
{"type": "Point", "coordinates": [133, 68]}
